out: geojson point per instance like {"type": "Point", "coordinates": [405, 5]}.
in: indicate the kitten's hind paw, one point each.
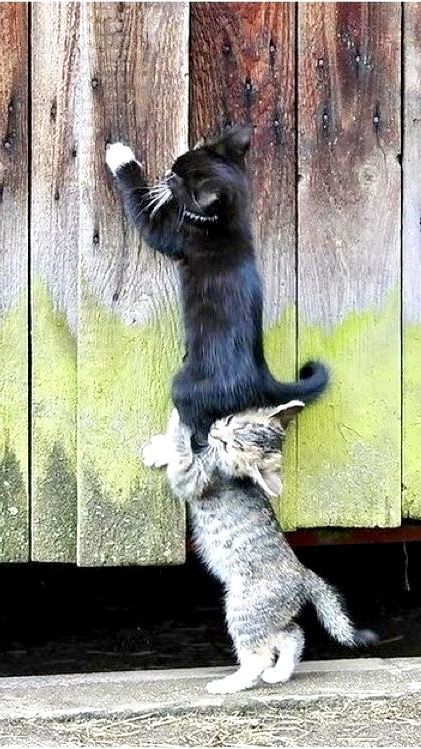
{"type": "Point", "coordinates": [220, 686]}
{"type": "Point", "coordinates": [116, 155]}
{"type": "Point", "coordinates": [228, 685]}
{"type": "Point", "coordinates": [155, 454]}
{"type": "Point", "coordinates": [277, 675]}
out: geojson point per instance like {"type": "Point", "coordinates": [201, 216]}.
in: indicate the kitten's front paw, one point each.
{"type": "Point", "coordinates": [116, 155]}
{"type": "Point", "coordinates": [174, 420]}
{"type": "Point", "coordinates": [155, 452]}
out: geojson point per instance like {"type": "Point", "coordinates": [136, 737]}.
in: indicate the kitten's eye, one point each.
{"type": "Point", "coordinates": [205, 198]}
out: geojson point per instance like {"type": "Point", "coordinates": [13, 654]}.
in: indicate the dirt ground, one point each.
{"type": "Point", "coordinates": [56, 619]}
{"type": "Point", "coordinates": [370, 722]}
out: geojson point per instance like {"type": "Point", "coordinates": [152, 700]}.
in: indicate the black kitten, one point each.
{"type": "Point", "coordinates": [200, 214]}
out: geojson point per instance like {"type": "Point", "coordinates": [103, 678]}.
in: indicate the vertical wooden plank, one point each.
{"type": "Point", "coordinates": [13, 283]}
{"type": "Point", "coordinates": [349, 260]}
{"type": "Point", "coordinates": [134, 87]}
{"type": "Point", "coordinates": [242, 69]}
{"type": "Point", "coordinates": [54, 242]}
{"type": "Point", "coordinates": [411, 307]}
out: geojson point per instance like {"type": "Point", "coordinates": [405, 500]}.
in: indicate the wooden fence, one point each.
{"type": "Point", "coordinates": [89, 321]}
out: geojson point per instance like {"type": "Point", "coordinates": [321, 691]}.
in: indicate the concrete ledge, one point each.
{"type": "Point", "coordinates": [33, 704]}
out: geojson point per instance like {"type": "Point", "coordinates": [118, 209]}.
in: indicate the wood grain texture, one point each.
{"type": "Point", "coordinates": [13, 283]}
{"type": "Point", "coordinates": [134, 88]}
{"type": "Point", "coordinates": [242, 69]}
{"type": "Point", "coordinates": [349, 261]}
{"type": "Point", "coordinates": [411, 246]}
{"type": "Point", "coordinates": [54, 246]}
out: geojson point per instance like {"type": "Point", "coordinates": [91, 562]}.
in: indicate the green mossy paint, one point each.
{"type": "Point", "coordinates": [54, 523]}
{"type": "Point", "coordinates": [54, 431]}
{"type": "Point", "coordinates": [14, 434]}
{"type": "Point", "coordinates": [136, 532]}
{"type": "Point", "coordinates": [124, 376]}
{"type": "Point", "coordinates": [349, 444]}
{"type": "Point", "coordinates": [412, 422]}
{"type": "Point", "coordinates": [13, 510]}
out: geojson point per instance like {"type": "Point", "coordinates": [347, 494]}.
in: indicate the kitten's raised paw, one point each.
{"type": "Point", "coordinates": [174, 420]}
{"type": "Point", "coordinates": [116, 155]}
{"type": "Point", "coordinates": [155, 452]}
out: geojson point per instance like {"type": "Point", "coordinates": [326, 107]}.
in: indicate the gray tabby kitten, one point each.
{"type": "Point", "coordinates": [238, 537]}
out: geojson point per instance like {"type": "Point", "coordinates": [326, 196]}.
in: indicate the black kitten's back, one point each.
{"type": "Point", "coordinates": [200, 212]}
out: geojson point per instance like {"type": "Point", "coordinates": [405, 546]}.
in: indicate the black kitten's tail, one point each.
{"type": "Point", "coordinates": [314, 379]}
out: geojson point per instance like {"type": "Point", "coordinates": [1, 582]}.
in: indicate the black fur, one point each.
{"type": "Point", "coordinates": [224, 370]}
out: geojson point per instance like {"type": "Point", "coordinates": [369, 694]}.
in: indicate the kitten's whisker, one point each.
{"type": "Point", "coordinates": [158, 188]}
{"type": "Point", "coordinates": [149, 204]}
{"type": "Point", "coordinates": [166, 196]}
{"type": "Point", "coordinates": [155, 199]}
{"type": "Point", "coordinates": [157, 193]}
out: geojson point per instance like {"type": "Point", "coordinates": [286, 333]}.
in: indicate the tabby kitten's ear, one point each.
{"type": "Point", "coordinates": [285, 412]}
{"type": "Point", "coordinates": [269, 478]}
{"type": "Point", "coordinates": [268, 475]}
{"type": "Point", "coordinates": [234, 143]}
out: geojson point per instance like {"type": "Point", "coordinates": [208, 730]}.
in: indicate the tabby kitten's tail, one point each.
{"type": "Point", "coordinates": [331, 614]}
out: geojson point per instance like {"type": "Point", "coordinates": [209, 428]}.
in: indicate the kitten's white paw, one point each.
{"type": "Point", "coordinates": [226, 686]}
{"type": "Point", "coordinates": [155, 452]}
{"type": "Point", "coordinates": [117, 154]}
{"type": "Point", "coordinates": [173, 422]}
{"type": "Point", "coordinates": [275, 675]}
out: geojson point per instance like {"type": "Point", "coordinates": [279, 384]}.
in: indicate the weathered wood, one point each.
{"type": "Point", "coordinates": [242, 70]}
{"type": "Point", "coordinates": [134, 87]}
{"type": "Point", "coordinates": [411, 266]}
{"type": "Point", "coordinates": [349, 261]}
{"type": "Point", "coordinates": [54, 243]}
{"type": "Point", "coordinates": [13, 283]}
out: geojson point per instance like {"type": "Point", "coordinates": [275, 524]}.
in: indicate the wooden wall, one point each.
{"type": "Point", "coordinates": [333, 92]}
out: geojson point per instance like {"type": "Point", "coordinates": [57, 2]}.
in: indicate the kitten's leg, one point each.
{"type": "Point", "coordinates": [252, 665]}
{"type": "Point", "coordinates": [289, 644]}
{"type": "Point", "coordinates": [145, 206]}
{"type": "Point", "coordinates": [187, 474]}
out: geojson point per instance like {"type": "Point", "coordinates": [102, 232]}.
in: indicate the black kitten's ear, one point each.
{"type": "Point", "coordinates": [234, 143]}
{"type": "Point", "coordinates": [286, 412]}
